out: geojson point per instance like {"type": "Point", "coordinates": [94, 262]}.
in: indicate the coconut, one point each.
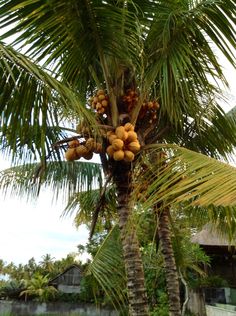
{"type": "Point", "coordinates": [70, 154]}
{"type": "Point", "coordinates": [101, 111]}
{"type": "Point", "coordinates": [73, 143]}
{"type": "Point", "coordinates": [112, 137]}
{"type": "Point", "coordinates": [129, 127]}
{"type": "Point", "coordinates": [109, 133]}
{"type": "Point", "coordinates": [98, 106]}
{"type": "Point", "coordinates": [120, 132]}
{"type": "Point", "coordinates": [110, 151]}
{"type": "Point", "coordinates": [104, 103]}
{"type": "Point", "coordinates": [90, 144]}
{"type": "Point", "coordinates": [118, 155]}
{"type": "Point", "coordinates": [129, 155]}
{"type": "Point", "coordinates": [97, 148]}
{"type": "Point", "coordinates": [81, 151]}
{"type": "Point", "coordinates": [95, 99]}
{"type": "Point", "coordinates": [117, 144]}
{"type": "Point", "coordinates": [88, 156]}
{"type": "Point", "coordinates": [99, 92]}
{"type": "Point", "coordinates": [101, 97]}
{"type": "Point", "coordinates": [132, 136]}
{"type": "Point", "coordinates": [134, 147]}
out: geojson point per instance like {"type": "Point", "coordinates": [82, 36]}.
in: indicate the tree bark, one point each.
{"type": "Point", "coordinates": [172, 280]}
{"type": "Point", "coordinates": [138, 303]}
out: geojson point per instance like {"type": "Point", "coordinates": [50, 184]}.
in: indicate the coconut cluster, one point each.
{"type": "Point", "coordinates": [100, 102]}
{"type": "Point", "coordinates": [124, 143]}
{"type": "Point", "coordinates": [130, 99]}
{"type": "Point", "coordinates": [149, 109]}
{"type": "Point", "coordinates": [85, 149]}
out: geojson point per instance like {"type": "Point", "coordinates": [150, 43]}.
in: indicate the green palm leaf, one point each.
{"type": "Point", "coordinates": [32, 101]}
{"type": "Point", "coordinates": [186, 176]}
{"type": "Point", "coordinates": [108, 268]}
{"type": "Point", "coordinates": [62, 178]}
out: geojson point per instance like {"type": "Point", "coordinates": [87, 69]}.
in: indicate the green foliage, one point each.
{"type": "Point", "coordinates": [162, 307]}
{"type": "Point", "coordinates": [209, 281]}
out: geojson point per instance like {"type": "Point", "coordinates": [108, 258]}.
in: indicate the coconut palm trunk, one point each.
{"type": "Point", "coordinates": [172, 280]}
{"type": "Point", "coordinates": [138, 303]}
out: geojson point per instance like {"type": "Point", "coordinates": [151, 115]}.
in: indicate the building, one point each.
{"type": "Point", "coordinates": [69, 280]}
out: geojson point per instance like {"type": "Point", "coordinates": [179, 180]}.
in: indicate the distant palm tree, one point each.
{"type": "Point", "coordinates": [38, 287]}
{"type": "Point", "coordinates": [47, 263]}
{"type": "Point", "coordinates": [149, 61]}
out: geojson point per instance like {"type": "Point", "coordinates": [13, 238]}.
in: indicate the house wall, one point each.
{"type": "Point", "coordinates": [218, 311]}
{"type": "Point", "coordinates": [68, 288]}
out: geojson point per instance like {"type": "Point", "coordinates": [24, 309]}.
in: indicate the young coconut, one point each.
{"type": "Point", "coordinates": [88, 156]}
{"type": "Point", "coordinates": [129, 127]}
{"type": "Point", "coordinates": [129, 155]}
{"type": "Point", "coordinates": [121, 132]}
{"type": "Point", "coordinates": [132, 136]}
{"type": "Point", "coordinates": [118, 155]}
{"type": "Point", "coordinates": [112, 137]}
{"type": "Point", "coordinates": [134, 147]}
{"type": "Point", "coordinates": [97, 148]}
{"type": "Point", "coordinates": [110, 151]}
{"type": "Point", "coordinates": [117, 144]}
{"type": "Point", "coordinates": [90, 144]}
{"type": "Point", "coordinates": [73, 143]}
{"type": "Point", "coordinates": [82, 150]}
{"type": "Point", "coordinates": [71, 154]}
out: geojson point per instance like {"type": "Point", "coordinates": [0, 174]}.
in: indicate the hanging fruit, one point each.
{"type": "Point", "coordinates": [124, 143]}
{"type": "Point", "coordinates": [99, 102]}
{"type": "Point", "coordinates": [130, 99]}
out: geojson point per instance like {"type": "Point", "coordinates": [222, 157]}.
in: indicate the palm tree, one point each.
{"type": "Point", "coordinates": [150, 62]}
{"type": "Point", "coordinates": [38, 287]}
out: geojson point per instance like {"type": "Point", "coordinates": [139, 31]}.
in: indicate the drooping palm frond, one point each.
{"type": "Point", "coordinates": [30, 102]}
{"type": "Point", "coordinates": [212, 133]}
{"type": "Point", "coordinates": [108, 268]}
{"type": "Point", "coordinates": [63, 178]}
{"type": "Point", "coordinates": [74, 36]}
{"type": "Point", "coordinates": [180, 57]}
{"type": "Point", "coordinates": [180, 175]}
{"type": "Point", "coordinates": [94, 208]}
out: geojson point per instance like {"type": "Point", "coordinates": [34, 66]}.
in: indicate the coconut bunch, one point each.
{"type": "Point", "coordinates": [130, 99]}
{"type": "Point", "coordinates": [86, 149]}
{"type": "Point", "coordinates": [149, 109]}
{"type": "Point", "coordinates": [124, 143]}
{"type": "Point", "coordinates": [100, 102]}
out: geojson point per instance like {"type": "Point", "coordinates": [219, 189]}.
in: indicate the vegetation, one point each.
{"type": "Point", "coordinates": [128, 81]}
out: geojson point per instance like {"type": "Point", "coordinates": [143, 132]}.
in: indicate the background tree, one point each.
{"type": "Point", "coordinates": [155, 71]}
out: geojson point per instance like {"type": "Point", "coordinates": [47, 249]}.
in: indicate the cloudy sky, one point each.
{"type": "Point", "coordinates": [34, 229]}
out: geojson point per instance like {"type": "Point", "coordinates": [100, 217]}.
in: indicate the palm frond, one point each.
{"type": "Point", "coordinates": [32, 101]}
{"type": "Point", "coordinates": [184, 176]}
{"type": "Point", "coordinates": [108, 268]}
{"type": "Point", "coordinates": [93, 208]}
{"type": "Point", "coordinates": [62, 178]}
{"type": "Point", "coordinates": [212, 133]}
{"type": "Point", "coordinates": [74, 36]}
{"type": "Point", "coordinates": [180, 54]}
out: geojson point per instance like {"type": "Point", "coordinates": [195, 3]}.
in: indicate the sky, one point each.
{"type": "Point", "coordinates": [34, 229]}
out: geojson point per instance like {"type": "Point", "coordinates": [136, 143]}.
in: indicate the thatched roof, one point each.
{"type": "Point", "coordinates": [208, 236]}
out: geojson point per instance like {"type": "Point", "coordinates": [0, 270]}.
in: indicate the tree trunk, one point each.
{"type": "Point", "coordinates": [138, 303]}
{"type": "Point", "coordinates": [172, 280]}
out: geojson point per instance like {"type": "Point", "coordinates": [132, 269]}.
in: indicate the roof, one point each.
{"type": "Point", "coordinates": [208, 236]}
{"type": "Point", "coordinates": [60, 276]}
